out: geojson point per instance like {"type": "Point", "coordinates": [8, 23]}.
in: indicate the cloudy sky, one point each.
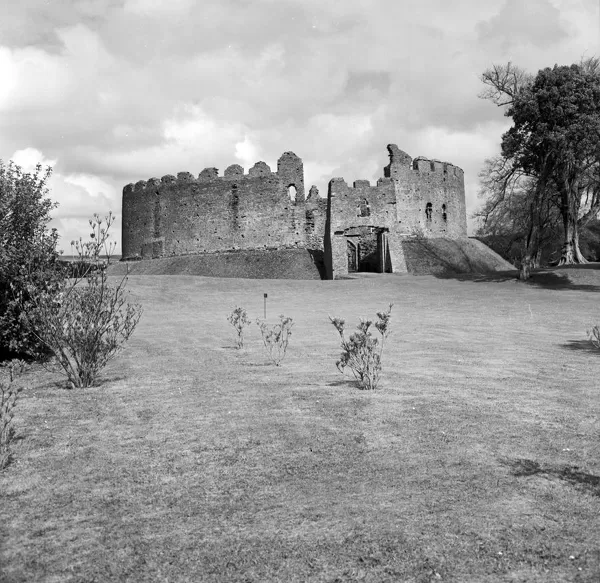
{"type": "Point", "coordinates": [113, 91]}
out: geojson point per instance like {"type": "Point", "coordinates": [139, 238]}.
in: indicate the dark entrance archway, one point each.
{"type": "Point", "coordinates": [353, 258]}
{"type": "Point", "coordinates": [367, 250]}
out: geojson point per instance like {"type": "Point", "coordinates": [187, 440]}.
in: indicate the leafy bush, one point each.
{"type": "Point", "coordinates": [8, 399]}
{"type": "Point", "coordinates": [362, 352]}
{"type": "Point", "coordinates": [28, 254]}
{"type": "Point", "coordinates": [239, 320]}
{"type": "Point", "coordinates": [276, 338]}
{"type": "Point", "coordinates": [594, 336]}
{"type": "Point", "coordinates": [86, 321]}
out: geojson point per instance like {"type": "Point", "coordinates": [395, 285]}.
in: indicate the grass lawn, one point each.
{"type": "Point", "coordinates": [476, 460]}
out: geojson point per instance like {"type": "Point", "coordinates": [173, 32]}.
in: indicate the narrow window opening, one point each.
{"type": "Point", "coordinates": [363, 210]}
{"type": "Point", "coordinates": [432, 166]}
{"type": "Point", "coordinates": [292, 192]}
{"type": "Point", "coordinates": [428, 211]}
{"type": "Point", "coordinates": [444, 215]}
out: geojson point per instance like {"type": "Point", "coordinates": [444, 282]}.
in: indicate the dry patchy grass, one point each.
{"type": "Point", "coordinates": [476, 460]}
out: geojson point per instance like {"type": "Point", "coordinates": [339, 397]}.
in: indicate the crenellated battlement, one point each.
{"type": "Point", "coordinates": [290, 170]}
{"type": "Point", "coordinates": [424, 165]}
{"type": "Point", "coordinates": [401, 162]}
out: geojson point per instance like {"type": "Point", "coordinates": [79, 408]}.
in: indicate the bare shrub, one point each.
{"type": "Point", "coordinates": [276, 338]}
{"type": "Point", "coordinates": [362, 351]}
{"type": "Point", "coordinates": [9, 394]}
{"type": "Point", "coordinates": [86, 321]}
{"type": "Point", "coordinates": [239, 320]}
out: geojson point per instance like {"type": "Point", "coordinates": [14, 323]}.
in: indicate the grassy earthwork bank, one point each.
{"type": "Point", "coordinates": [477, 459]}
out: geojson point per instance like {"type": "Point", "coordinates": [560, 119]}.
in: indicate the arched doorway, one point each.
{"type": "Point", "coordinates": [367, 250]}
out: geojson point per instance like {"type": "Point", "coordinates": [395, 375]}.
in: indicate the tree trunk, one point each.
{"type": "Point", "coordinates": [571, 202]}
{"type": "Point", "coordinates": [570, 253]}
{"type": "Point", "coordinates": [532, 246]}
{"type": "Point", "coordinates": [524, 271]}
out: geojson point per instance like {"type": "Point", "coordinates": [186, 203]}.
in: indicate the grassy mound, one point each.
{"type": "Point", "coordinates": [451, 256]}
{"type": "Point", "coordinates": [261, 264]}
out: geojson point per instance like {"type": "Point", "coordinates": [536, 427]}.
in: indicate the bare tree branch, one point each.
{"type": "Point", "coordinates": [503, 83]}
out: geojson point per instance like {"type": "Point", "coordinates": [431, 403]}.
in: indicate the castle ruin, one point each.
{"type": "Point", "coordinates": [357, 228]}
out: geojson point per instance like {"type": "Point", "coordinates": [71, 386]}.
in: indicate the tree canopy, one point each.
{"type": "Point", "coordinates": [554, 142]}
{"type": "Point", "coordinates": [28, 254]}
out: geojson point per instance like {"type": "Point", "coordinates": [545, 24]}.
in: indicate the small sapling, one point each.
{"type": "Point", "coordinates": [362, 352]}
{"type": "Point", "coordinates": [276, 338]}
{"type": "Point", "coordinates": [239, 320]}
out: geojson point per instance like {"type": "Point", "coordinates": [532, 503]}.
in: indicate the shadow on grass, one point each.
{"type": "Point", "coordinates": [344, 383]}
{"type": "Point", "coordinates": [593, 266]}
{"type": "Point", "coordinates": [63, 383]}
{"type": "Point", "coordinates": [587, 482]}
{"type": "Point", "coordinates": [348, 382]}
{"type": "Point", "coordinates": [545, 279]}
{"type": "Point", "coordinates": [581, 345]}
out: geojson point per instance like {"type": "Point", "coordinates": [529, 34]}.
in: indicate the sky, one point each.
{"type": "Point", "coordinates": [109, 92]}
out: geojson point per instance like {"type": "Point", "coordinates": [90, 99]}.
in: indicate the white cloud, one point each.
{"type": "Point", "coordinates": [535, 23]}
{"type": "Point", "coordinates": [157, 7]}
{"type": "Point", "coordinates": [246, 152]}
{"type": "Point", "coordinates": [29, 158]}
{"type": "Point", "coordinates": [35, 80]}
{"type": "Point", "coordinates": [9, 76]}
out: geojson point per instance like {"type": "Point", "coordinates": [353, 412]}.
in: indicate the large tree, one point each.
{"type": "Point", "coordinates": [505, 218]}
{"type": "Point", "coordinates": [28, 254]}
{"type": "Point", "coordinates": [555, 141]}
{"type": "Point", "coordinates": [556, 136]}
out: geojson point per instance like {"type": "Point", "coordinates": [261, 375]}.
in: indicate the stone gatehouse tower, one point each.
{"type": "Point", "coordinates": [366, 225]}
{"type": "Point", "coordinates": [357, 228]}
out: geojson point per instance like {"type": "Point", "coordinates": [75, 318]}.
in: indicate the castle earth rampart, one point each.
{"type": "Point", "coordinates": [208, 214]}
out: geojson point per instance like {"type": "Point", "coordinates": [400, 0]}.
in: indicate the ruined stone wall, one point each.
{"type": "Point", "coordinates": [431, 195]}
{"type": "Point", "coordinates": [187, 215]}
{"type": "Point", "coordinates": [352, 210]}
{"type": "Point", "coordinates": [260, 210]}
{"type": "Point", "coordinates": [415, 198]}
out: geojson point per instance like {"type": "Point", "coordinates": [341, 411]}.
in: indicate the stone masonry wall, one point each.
{"type": "Point", "coordinates": [416, 198]}
{"type": "Point", "coordinates": [422, 181]}
{"type": "Point", "coordinates": [187, 215]}
{"type": "Point", "coordinates": [351, 210]}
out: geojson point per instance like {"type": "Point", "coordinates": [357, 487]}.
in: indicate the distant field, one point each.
{"type": "Point", "coordinates": [477, 459]}
{"type": "Point", "coordinates": [113, 258]}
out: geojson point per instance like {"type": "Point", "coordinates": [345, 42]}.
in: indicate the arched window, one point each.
{"type": "Point", "coordinates": [292, 192]}
{"type": "Point", "coordinates": [428, 211]}
{"type": "Point", "coordinates": [444, 215]}
{"type": "Point", "coordinates": [363, 210]}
